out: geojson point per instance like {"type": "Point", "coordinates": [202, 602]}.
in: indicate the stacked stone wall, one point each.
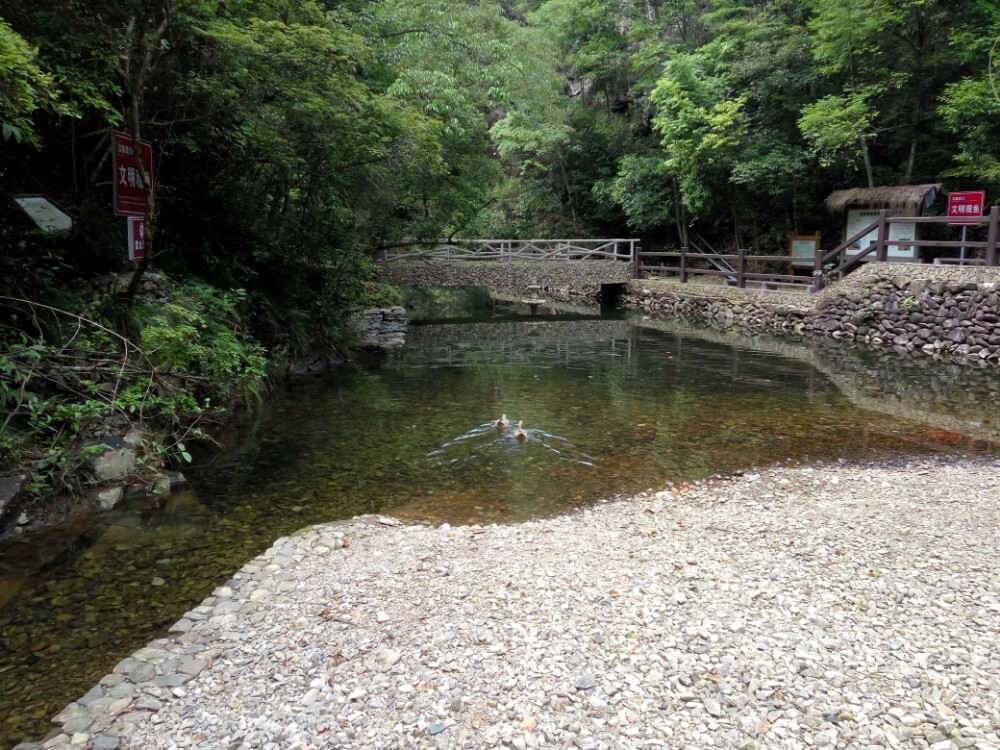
{"type": "Point", "coordinates": [558, 280]}
{"type": "Point", "coordinates": [943, 311]}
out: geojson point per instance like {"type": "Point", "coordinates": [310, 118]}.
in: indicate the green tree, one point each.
{"type": "Point", "coordinates": [702, 128]}
{"type": "Point", "coordinates": [970, 106]}
{"type": "Point", "coordinates": [885, 65]}
{"type": "Point", "coordinates": [24, 88]}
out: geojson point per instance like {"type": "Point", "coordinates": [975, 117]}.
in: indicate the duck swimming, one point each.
{"type": "Point", "coordinates": [502, 423]}
{"type": "Point", "coordinates": [520, 435]}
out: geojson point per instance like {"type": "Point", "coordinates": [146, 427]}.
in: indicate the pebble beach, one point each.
{"type": "Point", "coordinates": [834, 606]}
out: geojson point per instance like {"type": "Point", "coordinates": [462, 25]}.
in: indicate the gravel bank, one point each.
{"type": "Point", "coordinates": [835, 606]}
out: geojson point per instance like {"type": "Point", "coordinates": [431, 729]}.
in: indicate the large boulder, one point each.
{"type": "Point", "coordinates": [116, 460]}
{"type": "Point", "coordinates": [9, 488]}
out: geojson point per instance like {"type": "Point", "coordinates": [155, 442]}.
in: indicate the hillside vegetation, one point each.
{"type": "Point", "coordinates": [295, 139]}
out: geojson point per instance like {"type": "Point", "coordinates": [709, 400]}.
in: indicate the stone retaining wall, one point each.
{"type": "Point", "coordinates": [939, 310]}
{"type": "Point", "coordinates": [558, 280]}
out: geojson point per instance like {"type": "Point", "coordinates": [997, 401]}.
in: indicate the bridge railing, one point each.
{"type": "Point", "coordinates": [564, 250]}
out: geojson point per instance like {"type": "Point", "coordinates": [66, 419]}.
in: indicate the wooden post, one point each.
{"type": "Point", "coordinates": [818, 269]}
{"type": "Point", "coordinates": [993, 234]}
{"type": "Point", "coordinates": [684, 274]}
{"type": "Point", "coordinates": [881, 249]}
{"type": "Point", "coordinates": [741, 269]}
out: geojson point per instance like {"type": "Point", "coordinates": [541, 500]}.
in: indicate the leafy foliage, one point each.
{"type": "Point", "coordinates": [24, 88]}
{"type": "Point", "coordinates": [70, 378]}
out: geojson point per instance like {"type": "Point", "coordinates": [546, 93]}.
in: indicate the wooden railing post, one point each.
{"type": "Point", "coordinates": [992, 235]}
{"type": "Point", "coordinates": [818, 269]}
{"type": "Point", "coordinates": [684, 272]}
{"type": "Point", "coordinates": [741, 269]}
{"type": "Point", "coordinates": [881, 249]}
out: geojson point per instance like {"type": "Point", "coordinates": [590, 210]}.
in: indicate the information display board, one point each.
{"type": "Point", "coordinates": [858, 219]}
{"type": "Point", "coordinates": [803, 249]}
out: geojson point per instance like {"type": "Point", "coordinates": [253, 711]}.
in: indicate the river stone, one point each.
{"type": "Point", "coordinates": [114, 463]}
{"type": "Point", "coordinates": [109, 498]}
{"type": "Point", "coordinates": [191, 667]}
{"type": "Point", "coordinates": [105, 742]}
{"type": "Point", "coordinates": [72, 711]}
{"type": "Point", "coordinates": [142, 672]}
{"type": "Point", "coordinates": [389, 657]}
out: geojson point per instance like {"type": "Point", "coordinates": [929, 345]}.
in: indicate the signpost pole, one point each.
{"type": "Point", "coordinates": [967, 206]}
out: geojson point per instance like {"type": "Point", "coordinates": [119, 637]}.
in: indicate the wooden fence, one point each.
{"type": "Point", "coordinates": [833, 263]}
{"type": "Point", "coordinates": [740, 262]}
{"type": "Point", "coordinates": [837, 262]}
{"type": "Point", "coordinates": [549, 250]}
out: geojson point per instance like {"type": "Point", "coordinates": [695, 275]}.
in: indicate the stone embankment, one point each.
{"type": "Point", "coordinates": [950, 312]}
{"type": "Point", "coordinates": [562, 281]}
{"type": "Point", "coordinates": [836, 606]}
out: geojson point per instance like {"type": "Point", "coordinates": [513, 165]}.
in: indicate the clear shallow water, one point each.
{"type": "Point", "coordinates": [609, 407]}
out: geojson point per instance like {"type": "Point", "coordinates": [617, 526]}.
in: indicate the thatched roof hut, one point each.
{"type": "Point", "coordinates": [907, 199]}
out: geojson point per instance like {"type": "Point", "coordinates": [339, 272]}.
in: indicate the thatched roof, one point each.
{"type": "Point", "coordinates": [897, 197]}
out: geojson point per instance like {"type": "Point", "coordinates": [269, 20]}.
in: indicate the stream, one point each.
{"type": "Point", "coordinates": [610, 405]}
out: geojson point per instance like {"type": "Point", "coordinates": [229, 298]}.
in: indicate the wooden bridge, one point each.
{"type": "Point", "coordinates": [517, 267]}
{"type": "Point", "coordinates": [623, 250]}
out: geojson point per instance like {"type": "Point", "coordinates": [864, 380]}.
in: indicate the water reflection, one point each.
{"type": "Point", "coordinates": [609, 406]}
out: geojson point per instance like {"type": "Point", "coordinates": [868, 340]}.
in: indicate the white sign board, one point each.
{"type": "Point", "coordinates": [858, 219]}
{"type": "Point", "coordinates": [803, 250]}
{"type": "Point", "coordinates": [49, 218]}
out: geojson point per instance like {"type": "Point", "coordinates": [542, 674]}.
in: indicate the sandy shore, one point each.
{"type": "Point", "coordinates": [836, 606]}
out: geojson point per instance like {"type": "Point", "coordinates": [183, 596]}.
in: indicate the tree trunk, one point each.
{"type": "Point", "coordinates": [868, 161]}
{"type": "Point", "coordinates": [911, 162]}
{"type": "Point", "coordinates": [679, 215]}
{"type": "Point", "coordinates": [137, 81]}
{"type": "Point", "coordinates": [922, 48]}
{"type": "Point", "coordinates": [737, 235]}
{"type": "Point", "coordinates": [569, 192]}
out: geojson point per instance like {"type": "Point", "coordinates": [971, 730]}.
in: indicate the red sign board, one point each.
{"type": "Point", "coordinates": [136, 237]}
{"type": "Point", "coordinates": [966, 205]}
{"type": "Point", "coordinates": [130, 195]}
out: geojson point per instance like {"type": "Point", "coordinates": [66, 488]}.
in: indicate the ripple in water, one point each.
{"type": "Point", "coordinates": [485, 441]}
